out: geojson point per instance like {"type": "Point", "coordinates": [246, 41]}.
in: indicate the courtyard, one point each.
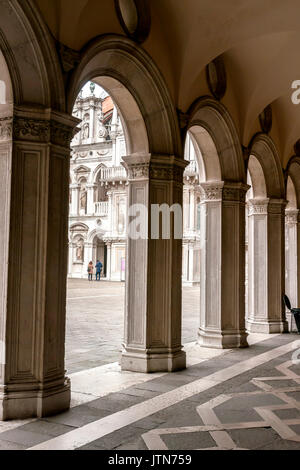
{"type": "Point", "coordinates": [95, 322]}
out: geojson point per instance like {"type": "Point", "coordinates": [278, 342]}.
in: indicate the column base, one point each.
{"type": "Point", "coordinates": [139, 361]}
{"type": "Point", "coordinates": [222, 339]}
{"type": "Point", "coordinates": [16, 404]}
{"type": "Point", "coordinates": [267, 327]}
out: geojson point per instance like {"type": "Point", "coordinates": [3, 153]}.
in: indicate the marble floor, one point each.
{"type": "Point", "coordinates": [93, 341]}
{"type": "Point", "coordinates": [234, 399]}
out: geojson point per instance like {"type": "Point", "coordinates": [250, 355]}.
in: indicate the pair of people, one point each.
{"type": "Point", "coordinates": [90, 270]}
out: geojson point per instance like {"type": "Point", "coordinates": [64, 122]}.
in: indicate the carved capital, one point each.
{"type": "Point", "coordinates": [211, 191]}
{"type": "Point", "coordinates": [48, 127]}
{"type": "Point", "coordinates": [291, 216]}
{"type": "Point", "coordinates": [167, 169]}
{"type": "Point", "coordinates": [5, 129]}
{"type": "Point", "coordinates": [235, 192]}
{"type": "Point", "coordinates": [137, 166]}
{"type": "Point", "coordinates": [277, 206]}
{"type": "Point", "coordinates": [258, 206]}
{"type": "Point", "coordinates": [31, 129]}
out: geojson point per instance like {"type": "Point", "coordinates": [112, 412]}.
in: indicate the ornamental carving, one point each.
{"type": "Point", "coordinates": [138, 170]}
{"type": "Point", "coordinates": [211, 192]}
{"type": "Point", "coordinates": [43, 131]}
{"type": "Point", "coordinates": [5, 129]}
{"type": "Point", "coordinates": [291, 216]}
{"type": "Point", "coordinates": [277, 207]}
{"type": "Point", "coordinates": [166, 172]}
{"type": "Point", "coordinates": [33, 129]}
{"type": "Point", "coordinates": [257, 207]}
{"type": "Point", "coordinates": [235, 193]}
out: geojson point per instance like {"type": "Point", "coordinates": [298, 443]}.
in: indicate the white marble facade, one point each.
{"type": "Point", "coordinates": [98, 193]}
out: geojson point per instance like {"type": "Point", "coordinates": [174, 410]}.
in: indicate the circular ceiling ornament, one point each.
{"type": "Point", "coordinates": [297, 148]}
{"type": "Point", "coordinates": [265, 119]}
{"type": "Point", "coordinates": [135, 18]}
{"type": "Point", "coordinates": [216, 78]}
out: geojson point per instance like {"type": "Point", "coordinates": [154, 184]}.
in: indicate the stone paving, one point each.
{"type": "Point", "coordinates": [95, 322]}
{"type": "Point", "coordinates": [244, 399]}
{"type": "Point", "coordinates": [225, 399]}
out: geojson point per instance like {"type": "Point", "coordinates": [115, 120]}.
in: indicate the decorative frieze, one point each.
{"type": "Point", "coordinates": [258, 206]}
{"type": "Point", "coordinates": [211, 191]}
{"type": "Point", "coordinates": [5, 129]}
{"type": "Point", "coordinates": [277, 206]}
{"type": "Point", "coordinates": [235, 192]}
{"type": "Point", "coordinates": [291, 216]}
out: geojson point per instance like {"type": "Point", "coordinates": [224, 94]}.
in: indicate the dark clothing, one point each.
{"type": "Point", "coordinates": [98, 267]}
{"type": "Point", "coordinates": [98, 274]}
{"type": "Point", "coordinates": [90, 276]}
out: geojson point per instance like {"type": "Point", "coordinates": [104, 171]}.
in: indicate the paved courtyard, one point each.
{"type": "Point", "coordinates": [95, 322]}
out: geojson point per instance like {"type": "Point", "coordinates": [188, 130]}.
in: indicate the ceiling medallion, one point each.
{"type": "Point", "coordinates": [297, 148]}
{"type": "Point", "coordinates": [265, 119]}
{"type": "Point", "coordinates": [216, 78]}
{"type": "Point", "coordinates": [135, 18]}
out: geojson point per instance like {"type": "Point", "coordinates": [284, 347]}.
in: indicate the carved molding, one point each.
{"type": "Point", "coordinates": [258, 206]}
{"type": "Point", "coordinates": [291, 216]}
{"type": "Point", "coordinates": [43, 131]}
{"type": "Point", "coordinates": [277, 206]}
{"type": "Point", "coordinates": [166, 172]}
{"type": "Point", "coordinates": [235, 192]}
{"type": "Point", "coordinates": [211, 191]}
{"type": "Point", "coordinates": [5, 129]}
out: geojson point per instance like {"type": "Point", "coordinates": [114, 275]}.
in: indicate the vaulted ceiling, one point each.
{"type": "Point", "coordinates": [258, 40]}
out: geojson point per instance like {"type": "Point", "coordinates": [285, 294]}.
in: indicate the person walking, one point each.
{"type": "Point", "coordinates": [98, 270]}
{"type": "Point", "coordinates": [90, 270]}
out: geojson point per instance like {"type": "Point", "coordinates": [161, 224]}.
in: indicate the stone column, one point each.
{"type": "Point", "coordinates": [152, 340]}
{"type": "Point", "coordinates": [257, 265]}
{"type": "Point", "coordinates": [291, 258]}
{"type": "Point", "coordinates": [74, 188]}
{"type": "Point", "coordinates": [108, 260]}
{"type": "Point", "coordinates": [222, 265]}
{"type": "Point", "coordinates": [90, 198]}
{"type": "Point", "coordinates": [33, 276]}
{"type": "Point", "coordinates": [276, 267]}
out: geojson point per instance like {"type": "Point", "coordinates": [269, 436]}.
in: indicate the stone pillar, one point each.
{"type": "Point", "coordinates": [74, 188]}
{"type": "Point", "coordinates": [152, 340]}
{"type": "Point", "coordinates": [291, 259]}
{"type": "Point", "coordinates": [33, 275]}
{"type": "Point", "coordinates": [266, 266]}
{"type": "Point", "coordinates": [108, 260]}
{"type": "Point", "coordinates": [222, 265]}
{"type": "Point", "coordinates": [90, 198]}
{"type": "Point", "coordinates": [257, 265]}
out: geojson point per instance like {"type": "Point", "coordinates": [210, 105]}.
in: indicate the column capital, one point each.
{"type": "Point", "coordinates": [235, 191]}
{"type": "Point", "coordinates": [291, 216]}
{"type": "Point", "coordinates": [44, 126]}
{"type": "Point", "coordinates": [211, 191]}
{"type": "Point", "coordinates": [277, 206]}
{"type": "Point", "coordinates": [167, 168]}
{"type": "Point", "coordinates": [137, 166]}
{"type": "Point", "coordinates": [6, 128]}
{"type": "Point", "coordinates": [258, 206]}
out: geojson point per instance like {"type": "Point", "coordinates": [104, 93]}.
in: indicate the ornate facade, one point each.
{"type": "Point", "coordinates": [98, 193]}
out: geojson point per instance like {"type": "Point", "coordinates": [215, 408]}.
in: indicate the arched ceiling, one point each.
{"type": "Point", "coordinates": [258, 41]}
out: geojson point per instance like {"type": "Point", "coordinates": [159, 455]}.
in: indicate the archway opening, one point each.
{"type": "Point", "coordinates": [291, 250]}
{"type": "Point", "coordinates": [97, 230]}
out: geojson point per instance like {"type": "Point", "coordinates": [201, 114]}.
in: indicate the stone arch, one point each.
{"type": "Point", "coordinates": [130, 77]}
{"type": "Point", "coordinates": [293, 171]}
{"type": "Point", "coordinates": [256, 179]}
{"type": "Point", "coordinates": [95, 173]}
{"type": "Point", "coordinates": [214, 132]}
{"type": "Point", "coordinates": [263, 148]}
{"type": "Point", "coordinates": [31, 56]}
